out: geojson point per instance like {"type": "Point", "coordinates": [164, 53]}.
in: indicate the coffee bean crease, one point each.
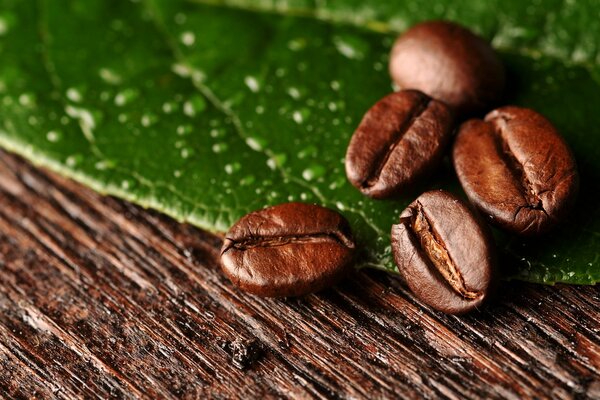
{"type": "Point", "coordinates": [515, 166]}
{"type": "Point", "coordinates": [438, 255]}
{"type": "Point", "coordinates": [384, 157]}
{"type": "Point", "coordinates": [274, 241]}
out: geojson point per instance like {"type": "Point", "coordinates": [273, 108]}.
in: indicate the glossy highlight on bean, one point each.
{"type": "Point", "coordinates": [400, 140]}
{"type": "Point", "coordinates": [523, 177]}
{"type": "Point", "coordinates": [445, 254]}
{"type": "Point", "coordinates": [291, 249]}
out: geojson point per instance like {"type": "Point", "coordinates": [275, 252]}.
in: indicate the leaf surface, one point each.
{"type": "Point", "coordinates": [208, 110]}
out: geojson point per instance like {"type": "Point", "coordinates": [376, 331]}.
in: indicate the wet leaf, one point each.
{"type": "Point", "coordinates": [206, 110]}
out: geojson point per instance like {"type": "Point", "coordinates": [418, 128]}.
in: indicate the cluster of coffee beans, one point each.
{"type": "Point", "coordinates": [513, 166]}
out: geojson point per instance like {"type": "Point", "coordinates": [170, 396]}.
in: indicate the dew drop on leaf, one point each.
{"type": "Point", "coordinates": [247, 180]}
{"type": "Point", "coordinates": [313, 172]}
{"type": "Point", "coordinates": [3, 26]}
{"type": "Point", "coordinates": [256, 143]}
{"type": "Point", "coordinates": [296, 44]}
{"type": "Point", "coordinates": [194, 106]}
{"type": "Point", "coordinates": [294, 92]}
{"type": "Point", "coordinates": [219, 147]}
{"type": "Point", "coordinates": [168, 107]}
{"type": "Point", "coordinates": [186, 152]}
{"type": "Point", "coordinates": [73, 160]}
{"type": "Point", "coordinates": [27, 100]}
{"type": "Point", "coordinates": [352, 47]}
{"type": "Point", "coordinates": [74, 95]}
{"type": "Point", "coordinates": [148, 120]}
{"type": "Point", "coordinates": [183, 130]}
{"type": "Point", "coordinates": [232, 167]}
{"type": "Point", "coordinates": [252, 84]}
{"type": "Point", "coordinates": [125, 97]}
{"type": "Point", "coordinates": [188, 38]}
{"type": "Point", "coordinates": [53, 136]}
{"type": "Point", "coordinates": [110, 76]}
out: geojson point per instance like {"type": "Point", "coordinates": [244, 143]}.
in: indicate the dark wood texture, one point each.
{"type": "Point", "coordinates": [99, 298]}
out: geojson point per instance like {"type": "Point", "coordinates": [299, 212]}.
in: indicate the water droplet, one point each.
{"type": "Point", "coordinates": [85, 117]}
{"type": "Point", "coordinates": [247, 180]}
{"type": "Point", "coordinates": [219, 147]}
{"type": "Point", "coordinates": [177, 173]}
{"type": "Point", "coordinates": [103, 165]}
{"type": "Point", "coordinates": [341, 206]}
{"type": "Point", "coordinates": [252, 84]}
{"type": "Point", "coordinates": [186, 152]}
{"type": "Point", "coordinates": [193, 106]}
{"type": "Point", "coordinates": [123, 118]}
{"type": "Point", "coordinates": [260, 109]}
{"type": "Point", "coordinates": [335, 85]}
{"type": "Point", "coordinates": [148, 119]}
{"type": "Point", "coordinates": [352, 47]}
{"type": "Point", "coordinates": [183, 130]}
{"type": "Point", "coordinates": [126, 184]}
{"type": "Point", "coordinates": [32, 120]}
{"type": "Point", "coordinates": [125, 97]}
{"type": "Point", "coordinates": [169, 106]}
{"type": "Point", "coordinates": [3, 26]}
{"type": "Point", "coordinates": [188, 38]}
{"type": "Point", "coordinates": [313, 172]}
{"type": "Point", "coordinates": [280, 72]}
{"type": "Point", "coordinates": [233, 167]}
{"type": "Point", "coordinates": [74, 160]}
{"type": "Point", "coordinates": [301, 115]}
{"type": "Point", "coordinates": [110, 76]}
{"type": "Point", "coordinates": [296, 44]}
{"type": "Point", "coordinates": [307, 151]}
{"type": "Point", "coordinates": [186, 71]}
{"type": "Point", "coordinates": [256, 143]}
{"type": "Point", "coordinates": [332, 106]}
{"type": "Point", "coordinates": [27, 100]}
{"type": "Point", "coordinates": [294, 93]}
{"type": "Point", "coordinates": [53, 136]}
{"type": "Point", "coordinates": [74, 95]}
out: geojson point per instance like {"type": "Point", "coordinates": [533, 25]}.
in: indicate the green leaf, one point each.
{"type": "Point", "coordinates": [208, 110]}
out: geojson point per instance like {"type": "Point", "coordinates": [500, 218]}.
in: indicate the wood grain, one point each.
{"type": "Point", "coordinates": [100, 298]}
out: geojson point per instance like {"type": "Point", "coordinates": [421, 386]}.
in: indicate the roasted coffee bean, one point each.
{"type": "Point", "coordinates": [288, 250]}
{"type": "Point", "coordinates": [516, 169]}
{"type": "Point", "coordinates": [450, 63]}
{"type": "Point", "coordinates": [444, 252]}
{"type": "Point", "coordinates": [400, 139]}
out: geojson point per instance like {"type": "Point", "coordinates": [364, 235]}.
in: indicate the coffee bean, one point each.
{"type": "Point", "coordinates": [400, 139]}
{"type": "Point", "coordinates": [444, 252]}
{"type": "Point", "coordinates": [450, 63]}
{"type": "Point", "coordinates": [288, 250]}
{"type": "Point", "coordinates": [516, 169]}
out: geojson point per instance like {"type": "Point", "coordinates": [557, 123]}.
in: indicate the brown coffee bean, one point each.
{"type": "Point", "coordinates": [444, 253]}
{"type": "Point", "coordinates": [288, 250]}
{"type": "Point", "coordinates": [450, 63]}
{"type": "Point", "coordinates": [516, 169]}
{"type": "Point", "coordinates": [400, 139]}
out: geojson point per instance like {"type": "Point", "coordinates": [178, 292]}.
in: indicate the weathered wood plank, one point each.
{"type": "Point", "coordinates": [101, 298]}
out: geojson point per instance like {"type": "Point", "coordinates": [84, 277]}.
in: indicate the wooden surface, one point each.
{"type": "Point", "coordinates": [99, 298]}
